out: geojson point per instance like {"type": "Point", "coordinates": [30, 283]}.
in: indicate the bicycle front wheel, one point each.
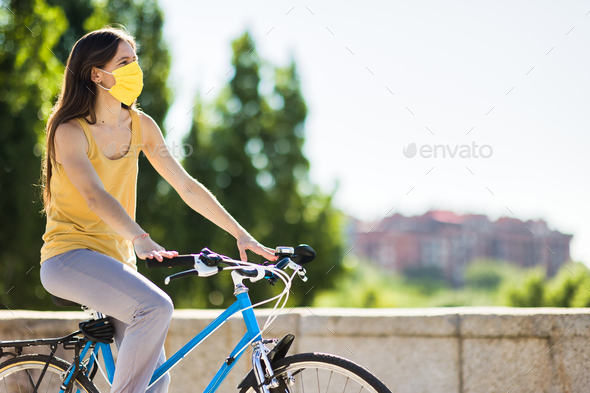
{"type": "Point", "coordinates": [21, 374]}
{"type": "Point", "coordinates": [321, 372]}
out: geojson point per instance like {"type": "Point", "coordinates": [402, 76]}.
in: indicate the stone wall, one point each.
{"type": "Point", "coordinates": [463, 350]}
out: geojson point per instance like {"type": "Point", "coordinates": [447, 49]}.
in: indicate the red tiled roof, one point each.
{"type": "Point", "coordinates": [445, 216]}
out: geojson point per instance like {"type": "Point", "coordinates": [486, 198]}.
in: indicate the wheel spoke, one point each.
{"type": "Point", "coordinates": [331, 372]}
{"type": "Point", "coordinates": [337, 374]}
{"type": "Point", "coordinates": [46, 390]}
{"type": "Point", "coordinates": [32, 370]}
{"type": "Point", "coordinates": [317, 371]}
{"type": "Point", "coordinates": [30, 380]}
{"type": "Point", "coordinates": [302, 384]}
{"type": "Point", "coordinates": [18, 383]}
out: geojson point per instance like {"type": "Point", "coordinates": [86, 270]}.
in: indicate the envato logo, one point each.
{"type": "Point", "coordinates": [461, 151]}
{"type": "Point", "coordinates": [162, 150]}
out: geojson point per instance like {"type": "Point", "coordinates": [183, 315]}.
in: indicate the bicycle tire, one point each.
{"type": "Point", "coordinates": [337, 373]}
{"type": "Point", "coordinates": [23, 370]}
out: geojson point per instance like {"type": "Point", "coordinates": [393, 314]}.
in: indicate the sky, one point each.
{"type": "Point", "coordinates": [499, 90]}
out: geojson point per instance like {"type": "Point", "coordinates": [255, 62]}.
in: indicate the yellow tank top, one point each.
{"type": "Point", "coordinates": [72, 224]}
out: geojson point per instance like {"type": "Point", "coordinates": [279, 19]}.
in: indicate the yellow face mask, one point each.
{"type": "Point", "coordinates": [128, 83]}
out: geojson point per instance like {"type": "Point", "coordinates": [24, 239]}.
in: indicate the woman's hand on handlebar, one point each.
{"type": "Point", "coordinates": [147, 248]}
{"type": "Point", "coordinates": [247, 242]}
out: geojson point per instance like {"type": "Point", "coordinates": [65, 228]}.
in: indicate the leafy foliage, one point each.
{"type": "Point", "coordinates": [488, 283]}
{"type": "Point", "coordinates": [247, 150]}
{"type": "Point", "coordinates": [29, 77]}
{"type": "Point", "coordinates": [530, 294]}
{"type": "Point", "coordinates": [490, 274]}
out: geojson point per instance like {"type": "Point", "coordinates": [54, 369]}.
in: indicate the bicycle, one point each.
{"type": "Point", "coordinates": [272, 370]}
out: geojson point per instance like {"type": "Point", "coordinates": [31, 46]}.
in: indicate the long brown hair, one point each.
{"type": "Point", "coordinates": [77, 96]}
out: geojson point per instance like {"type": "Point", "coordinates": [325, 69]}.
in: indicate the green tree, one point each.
{"type": "Point", "coordinates": [482, 275]}
{"type": "Point", "coordinates": [247, 150]}
{"type": "Point", "coordinates": [530, 294]}
{"type": "Point", "coordinates": [491, 274]}
{"type": "Point", "coordinates": [567, 289]}
{"type": "Point", "coordinates": [562, 290]}
{"type": "Point", "coordinates": [582, 296]}
{"type": "Point", "coordinates": [29, 77]}
{"type": "Point", "coordinates": [76, 13]}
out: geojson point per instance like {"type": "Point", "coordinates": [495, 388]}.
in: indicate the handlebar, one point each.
{"type": "Point", "coordinates": [207, 263]}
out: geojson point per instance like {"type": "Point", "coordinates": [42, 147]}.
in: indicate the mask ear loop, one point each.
{"type": "Point", "coordinates": [99, 83]}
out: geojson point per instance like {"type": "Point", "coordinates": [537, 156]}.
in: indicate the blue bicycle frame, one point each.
{"type": "Point", "coordinates": [253, 333]}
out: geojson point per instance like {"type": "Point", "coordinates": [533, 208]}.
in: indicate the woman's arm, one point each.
{"type": "Point", "coordinates": [71, 146]}
{"type": "Point", "coordinates": [193, 192]}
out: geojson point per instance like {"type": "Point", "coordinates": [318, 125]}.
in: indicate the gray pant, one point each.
{"type": "Point", "coordinates": [140, 310]}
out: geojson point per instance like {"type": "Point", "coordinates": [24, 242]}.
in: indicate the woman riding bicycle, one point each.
{"type": "Point", "coordinates": [94, 136]}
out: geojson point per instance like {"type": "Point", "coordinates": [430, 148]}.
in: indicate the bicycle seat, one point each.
{"type": "Point", "coordinates": [58, 301]}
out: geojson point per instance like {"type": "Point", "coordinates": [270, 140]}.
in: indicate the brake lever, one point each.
{"type": "Point", "coordinates": [301, 273]}
{"type": "Point", "coordinates": [200, 269]}
{"type": "Point", "coordinates": [186, 273]}
{"type": "Point", "coordinates": [299, 269]}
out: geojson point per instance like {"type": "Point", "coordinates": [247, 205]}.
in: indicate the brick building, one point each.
{"type": "Point", "coordinates": [449, 241]}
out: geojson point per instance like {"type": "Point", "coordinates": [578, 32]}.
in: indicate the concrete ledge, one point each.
{"type": "Point", "coordinates": [480, 349]}
{"type": "Point", "coordinates": [377, 322]}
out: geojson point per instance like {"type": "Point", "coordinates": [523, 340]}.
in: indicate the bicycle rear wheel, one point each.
{"type": "Point", "coordinates": [321, 372]}
{"type": "Point", "coordinates": [21, 374]}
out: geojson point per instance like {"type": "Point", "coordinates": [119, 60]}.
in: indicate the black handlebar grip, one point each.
{"type": "Point", "coordinates": [283, 263]}
{"type": "Point", "coordinates": [179, 261]}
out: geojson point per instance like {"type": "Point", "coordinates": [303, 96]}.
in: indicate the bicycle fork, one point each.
{"type": "Point", "coordinates": [262, 368]}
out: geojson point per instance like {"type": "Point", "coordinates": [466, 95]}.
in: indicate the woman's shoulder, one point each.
{"type": "Point", "coordinates": [145, 120]}
{"type": "Point", "coordinates": [71, 126]}
{"type": "Point", "coordinates": [70, 133]}
{"type": "Point", "coordinates": [148, 124]}
{"type": "Point", "coordinates": [71, 130]}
